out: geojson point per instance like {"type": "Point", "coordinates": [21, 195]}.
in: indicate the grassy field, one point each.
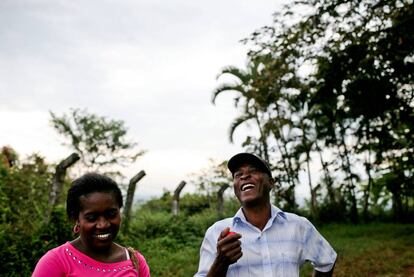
{"type": "Point", "coordinates": [371, 249]}
{"type": "Point", "coordinates": [363, 250]}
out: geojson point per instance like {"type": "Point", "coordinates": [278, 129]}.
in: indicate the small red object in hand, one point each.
{"type": "Point", "coordinates": [230, 233]}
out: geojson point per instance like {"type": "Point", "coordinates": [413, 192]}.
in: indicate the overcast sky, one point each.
{"type": "Point", "coordinates": [150, 63]}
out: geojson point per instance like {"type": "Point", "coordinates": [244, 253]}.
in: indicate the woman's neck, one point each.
{"type": "Point", "coordinates": [114, 253]}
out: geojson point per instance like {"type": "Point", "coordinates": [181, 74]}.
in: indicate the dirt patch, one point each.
{"type": "Point", "coordinates": [409, 271]}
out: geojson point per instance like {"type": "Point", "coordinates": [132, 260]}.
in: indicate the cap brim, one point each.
{"type": "Point", "coordinates": [246, 158]}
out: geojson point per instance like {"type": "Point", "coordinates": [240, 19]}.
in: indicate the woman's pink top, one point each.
{"type": "Point", "coordinates": [66, 260]}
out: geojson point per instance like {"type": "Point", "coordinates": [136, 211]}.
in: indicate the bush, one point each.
{"type": "Point", "coordinates": [20, 252]}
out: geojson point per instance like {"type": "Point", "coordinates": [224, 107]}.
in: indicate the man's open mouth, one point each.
{"type": "Point", "coordinates": [246, 187]}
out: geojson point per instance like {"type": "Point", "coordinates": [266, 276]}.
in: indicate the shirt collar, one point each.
{"type": "Point", "coordinates": [274, 213]}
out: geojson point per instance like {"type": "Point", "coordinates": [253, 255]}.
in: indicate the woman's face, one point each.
{"type": "Point", "coordinates": [99, 220]}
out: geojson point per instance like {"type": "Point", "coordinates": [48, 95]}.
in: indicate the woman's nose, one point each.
{"type": "Point", "coordinates": [102, 222]}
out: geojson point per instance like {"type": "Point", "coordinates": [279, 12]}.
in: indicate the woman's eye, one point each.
{"type": "Point", "coordinates": [90, 218]}
{"type": "Point", "coordinates": [112, 213]}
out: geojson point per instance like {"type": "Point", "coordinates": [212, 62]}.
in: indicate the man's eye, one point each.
{"type": "Point", "coordinates": [237, 175]}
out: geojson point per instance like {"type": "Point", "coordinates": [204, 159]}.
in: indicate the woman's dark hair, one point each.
{"type": "Point", "coordinates": [86, 184]}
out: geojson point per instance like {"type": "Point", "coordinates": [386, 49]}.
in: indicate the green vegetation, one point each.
{"type": "Point", "coordinates": [329, 83]}
{"type": "Point", "coordinates": [375, 249]}
{"type": "Point", "coordinates": [171, 244]}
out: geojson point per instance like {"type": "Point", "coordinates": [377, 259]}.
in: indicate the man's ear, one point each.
{"type": "Point", "coordinates": [271, 183]}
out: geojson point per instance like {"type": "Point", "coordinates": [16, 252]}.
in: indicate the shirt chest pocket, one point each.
{"type": "Point", "coordinates": [289, 262]}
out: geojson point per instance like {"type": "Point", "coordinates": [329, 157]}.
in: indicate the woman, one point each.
{"type": "Point", "coordinates": [93, 203]}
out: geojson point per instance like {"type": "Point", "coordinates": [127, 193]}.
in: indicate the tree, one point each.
{"type": "Point", "coordinates": [346, 69]}
{"type": "Point", "coordinates": [24, 236]}
{"type": "Point", "coordinates": [267, 109]}
{"type": "Point", "coordinates": [101, 143]}
{"type": "Point", "coordinates": [22, 193]}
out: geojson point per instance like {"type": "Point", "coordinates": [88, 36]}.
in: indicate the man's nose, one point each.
{"type": "Point", "coordinates": [245, 175]}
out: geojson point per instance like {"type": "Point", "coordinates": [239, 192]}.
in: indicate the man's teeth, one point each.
{"type": "Point", "coordinates": [247, 186]}
{"type": "Point", "coordinates": [103, 236]}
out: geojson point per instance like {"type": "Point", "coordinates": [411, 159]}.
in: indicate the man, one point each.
{"type": "Point", "coordinates": [261, 240]}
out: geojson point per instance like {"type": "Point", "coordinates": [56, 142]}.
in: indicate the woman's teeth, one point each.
{"type": "Point", "coordinates": [103, 236]}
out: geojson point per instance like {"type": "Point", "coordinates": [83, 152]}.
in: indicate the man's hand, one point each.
{"type": "Point", "coordinates": [228, 252]}
{"type": "Point", "coordinates": [229, 247]}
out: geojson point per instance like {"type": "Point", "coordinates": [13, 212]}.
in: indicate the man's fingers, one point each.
{"type": "Point", "coordinates": [226, 245]}
{"type": "Point", "coordinates": [233, 255]}
{"type": "Point", "coordinates": [236, 256]}
{"type": "Point", "coordinates": [223, 233]}
{"type": "Point", "coordinates": [229, 246]}
{"type": "Point", "coordinates": [228, 238]}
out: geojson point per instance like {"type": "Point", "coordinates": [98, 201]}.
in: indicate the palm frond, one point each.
{"type": "Point", "coordinates": [237, 122]}
{"type": "Point", "coordinates": [226, 87]}
{"type": "Point", "coordinates": [241, 74]}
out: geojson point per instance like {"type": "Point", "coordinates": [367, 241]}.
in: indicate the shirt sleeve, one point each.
{"type": "Point", "coordinates": [49, 265]}
{"type": "Point", "coordinates": [208, 252]}
{"type": "Point", "coordinates": [317, 249]}
{"type": "Point", "coordinates": [144, 270]}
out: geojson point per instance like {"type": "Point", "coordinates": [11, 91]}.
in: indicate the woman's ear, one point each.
{"type": "Point", "coordinates": [76, 228]}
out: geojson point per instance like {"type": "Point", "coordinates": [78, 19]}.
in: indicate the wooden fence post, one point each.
{"type": "Point", "coordinates": [176, 198]}
{"type": "Point", "coordinates": [58, 181]}
{"type": "Point", "coordinates": [130, 197]}
{"type": "Point", "coordinates": [220, 201]}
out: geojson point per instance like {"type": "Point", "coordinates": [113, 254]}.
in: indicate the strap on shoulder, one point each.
{"type": "Point", "coordinates": [134, 259]}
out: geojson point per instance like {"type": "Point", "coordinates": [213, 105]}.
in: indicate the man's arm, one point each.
{"type": "Point", "coordinates": [228, 252]}
{"type": "Point", "coordinates": [318, 251]}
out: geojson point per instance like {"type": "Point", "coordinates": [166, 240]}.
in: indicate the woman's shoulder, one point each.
{"type": "Point", "coordinates": [58, 251]}
{"type": "Point", "coordinates": [51, 263]}
{"type": "Point", "coordinates": [57, 255]}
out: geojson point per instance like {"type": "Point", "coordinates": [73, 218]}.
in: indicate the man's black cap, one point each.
{"type": "Point", "coordinates": [246, 158]}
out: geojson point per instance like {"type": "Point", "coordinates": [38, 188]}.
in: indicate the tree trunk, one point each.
{"type": "Point", "coordinates": [367, 191]}
{"type": "Point", "coordinates": [313, 191]}
{"type": "Point", "coordinates": [347, 168]}
{"type": "Point", "coordinates": [263, 139]}
{"type": "Point", "coordinates": [327, 175]}
{"type": "Point", "coordinates": [287, 195]}
{"type": "Point", "coordinates": [368, 167]}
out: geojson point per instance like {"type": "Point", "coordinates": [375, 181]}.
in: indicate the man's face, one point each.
{"type": "Point", "coordinates": [251, 186]}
